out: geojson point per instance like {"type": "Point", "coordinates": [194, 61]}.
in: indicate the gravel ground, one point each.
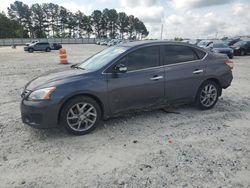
{"type": "Point", "coordinates": [189, 148]}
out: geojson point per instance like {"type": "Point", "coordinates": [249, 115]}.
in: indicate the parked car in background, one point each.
{"type": "Point", "coordinates": [113, 42]}
{"type": "Point", "coordinates": [220, 47]}
{"type": "Point", "coordinates": [101, 42]}
{"type": "Point", "coordinates": [241, 47]}
{"type": "Point", "coordinates": [56, 46]}
{"type": "Point", "coordinates": [233, 41]}
{"type": "Point", "coordinates": [204, 43]}
{"type": "Point", "coordinates": [185, 41]}
{"type": "Point", "coordinates": [39, 46]}
{"type": "Point", "coordinates": [194, 41]}
{"type": "Point", "coordinates": [125, 77]}
{"type": "Point", "coordinates": [98, 41]}
{"type": "Point", "coordinates": [32, 42]}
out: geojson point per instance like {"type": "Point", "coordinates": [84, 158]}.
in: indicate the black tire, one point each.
{"type": "Point", "coordinates": [200, 96]}
{"type": "Point", "coordinates": [30, 50]}
{"type": "Point", "coordinates": [66, 110]}
{"type": "Point", "coordinates": [47, 49]}
{"type": "Point", "coordinates": [242, 52]}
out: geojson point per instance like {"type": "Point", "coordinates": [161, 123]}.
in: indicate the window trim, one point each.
{"type": "Point", "coordinates": [161, 59]}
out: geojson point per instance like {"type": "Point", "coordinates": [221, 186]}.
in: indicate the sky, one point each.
{"type": "Point", "coordinates": [180, 18]}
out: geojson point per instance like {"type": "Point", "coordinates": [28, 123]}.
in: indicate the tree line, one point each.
{"type": "Point", "coordinates": [51, 20]}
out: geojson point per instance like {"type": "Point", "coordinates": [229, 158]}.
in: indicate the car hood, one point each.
{"type": "Point", "coordinates": [55, 77]}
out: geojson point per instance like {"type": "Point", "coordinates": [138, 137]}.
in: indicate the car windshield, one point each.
{"type": "Point", "coordinates": [240, 43]}
{"type": "Point", "coordinates": [102, 58]}
{"type": "Point", "coordinates": [219, 45]}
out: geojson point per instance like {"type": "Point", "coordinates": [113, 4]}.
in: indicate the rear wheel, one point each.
{"type": "Point", "coordinates": [30, 50]}
{"type": "Point", "coordinates": [81, 115]}
{"type": "Point", "coordinates": [207, 95]}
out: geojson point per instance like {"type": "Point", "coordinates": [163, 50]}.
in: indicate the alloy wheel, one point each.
{"type": "Point", "coordinates": [208, 95]}
{"type": "Point", "coordinates": [81, 116]}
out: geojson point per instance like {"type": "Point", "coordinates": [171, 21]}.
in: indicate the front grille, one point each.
{"type": "Point", "coordinates": [25, 93]}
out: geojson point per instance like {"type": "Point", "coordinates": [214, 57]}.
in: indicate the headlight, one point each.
{"type": "Point", "coordinates": [41, 94]}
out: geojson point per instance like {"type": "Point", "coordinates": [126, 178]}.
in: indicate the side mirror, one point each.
{"type": "Point", "coordinates": [121, 68]}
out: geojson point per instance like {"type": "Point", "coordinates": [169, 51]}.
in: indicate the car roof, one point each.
{"type": "Point", "coordinates": [151, 42]}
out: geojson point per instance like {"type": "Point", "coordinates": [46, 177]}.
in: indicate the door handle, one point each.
{"type": "Point", "coordinates": [156, 78]}
{"type": "Point", "coordinates": [198, 71]}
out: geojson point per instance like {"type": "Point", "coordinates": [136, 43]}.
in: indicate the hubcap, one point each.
{"type": "Point", "coordinates": [208, 95]}
{"type": "Point", "coordinates": [81, 116]}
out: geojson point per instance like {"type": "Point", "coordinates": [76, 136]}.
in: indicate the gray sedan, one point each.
{"type": "Point", "coordinates": [129, 76]}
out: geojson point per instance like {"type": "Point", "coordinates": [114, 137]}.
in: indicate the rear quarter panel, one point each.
{"type": "Point", "coordinates": [217, 69]}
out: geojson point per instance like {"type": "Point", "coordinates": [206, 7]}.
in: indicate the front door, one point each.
{"type": "Point", "coordinates": [143, 83]}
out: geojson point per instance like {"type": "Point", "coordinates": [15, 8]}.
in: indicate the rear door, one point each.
{"type": "Point", "coordinates": [184, 69]}
{"type": "Point", "coordinates": [143, 83]}
{"type": "Point", "coordinates": [39, 46]}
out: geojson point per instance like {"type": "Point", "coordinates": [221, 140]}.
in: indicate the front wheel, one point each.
{"type": "Point", "coordinates": [30, 50]}
{"type": "Point", "coordinates": [80, 115]}
{"type": "Point", "coordinates": [47, 49]}
{"type": "Point", "coordinates": [207, 95]}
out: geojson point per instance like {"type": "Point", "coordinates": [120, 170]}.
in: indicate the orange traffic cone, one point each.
{"type": "Point", "coordinates": [63, 56]}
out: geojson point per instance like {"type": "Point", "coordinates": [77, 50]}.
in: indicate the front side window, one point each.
{"type": "Point", "coordinates": [142, 58]}
{"type": "Point", "coordinates": [178, 54]}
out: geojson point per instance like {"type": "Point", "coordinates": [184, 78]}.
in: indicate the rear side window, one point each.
{"type": "Point", "coordinates": [143, 58]}
{"type": "Point", "coordinates": [201, 54]}
{"type": "Point", "coordinates": [43, 43]}
{"type": "Point", "coordinates": [178, 54]}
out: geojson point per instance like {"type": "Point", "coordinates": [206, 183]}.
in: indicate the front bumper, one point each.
{"type": "Point", "coordinates": [40, 114]}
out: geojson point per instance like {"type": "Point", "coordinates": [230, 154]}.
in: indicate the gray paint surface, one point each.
{"type": "Point", "coordinates": [119, 92]}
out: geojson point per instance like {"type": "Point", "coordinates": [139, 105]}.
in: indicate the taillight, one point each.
{"type": "Point", "coordinates": [229, 63]}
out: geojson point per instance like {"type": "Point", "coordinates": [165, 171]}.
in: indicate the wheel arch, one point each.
{"type": "Point", "coordinates": [81, 95]}
{"type": "Point", "coordinates": [216, 81]}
